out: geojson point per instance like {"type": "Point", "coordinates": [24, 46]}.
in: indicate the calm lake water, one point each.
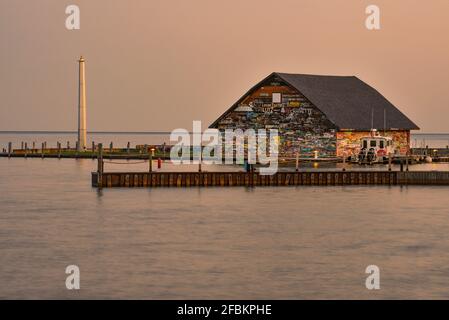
{"type": "Point", "coordinates": [192, 243]}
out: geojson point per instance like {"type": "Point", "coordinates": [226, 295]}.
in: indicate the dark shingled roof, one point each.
{"type": "Point", "coordinates": [347, 101]}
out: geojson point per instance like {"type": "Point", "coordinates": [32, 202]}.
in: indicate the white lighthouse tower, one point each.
{"type": "Point", "coordinates": [82, 127]}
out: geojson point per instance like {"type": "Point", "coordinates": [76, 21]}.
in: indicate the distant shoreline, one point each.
{"type": "Point", "coordinates": [145, 132]}
{"type": "Point", "coordinates": [88, 132]}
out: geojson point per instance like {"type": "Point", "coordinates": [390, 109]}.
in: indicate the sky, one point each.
{"type": "Point", "coordinates": [159, 65]}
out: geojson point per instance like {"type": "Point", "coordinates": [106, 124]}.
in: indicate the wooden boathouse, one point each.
{"type": "Point", "coordinates": [318, 114]}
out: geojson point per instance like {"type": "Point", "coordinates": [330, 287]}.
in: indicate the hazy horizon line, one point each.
{"type": "Point", "coordinates": [141, 132]}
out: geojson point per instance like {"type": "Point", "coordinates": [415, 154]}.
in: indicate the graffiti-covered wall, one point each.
{"type": "Point", "coordinates": [348, 142]}
{"type": "Point", "coordinates": [275, 105]}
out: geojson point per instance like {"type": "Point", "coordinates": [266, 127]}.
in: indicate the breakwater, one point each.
{"type": "Point", "coordinates": [229, 179]}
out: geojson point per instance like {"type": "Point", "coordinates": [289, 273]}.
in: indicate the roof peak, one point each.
{"type": "Point", "coordinates": [313, 75]}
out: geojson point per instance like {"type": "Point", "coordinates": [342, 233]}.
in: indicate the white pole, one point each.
{"type": "Point", "coordinates": [82, 128]}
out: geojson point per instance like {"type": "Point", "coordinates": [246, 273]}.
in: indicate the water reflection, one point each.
{"type": "Point", "coordinates": [241, 242]}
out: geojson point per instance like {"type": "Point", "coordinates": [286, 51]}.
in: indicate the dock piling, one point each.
{"type": "Point", "coordinates": [93, 150]}
{"type": "Point", "coordinates": [42, 150]}
{"type": "Point", "coordinates": [59, 150]}
{"type": "Point", "coordinates": [200, 160]}
{"type": "Point", "coordinates": [406, 162]}
{"type": "Point", "coordinates": [297, 162]}
{"type": "Point", "coordinates": [100, 166]}
{"type": "Point", "coordinates": [389, 161]}
{"type": "Point", "coordinates": [9, 149]}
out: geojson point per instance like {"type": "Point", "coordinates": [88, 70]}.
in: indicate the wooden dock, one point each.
{"type": "Point", "coordinates": [250, 179]}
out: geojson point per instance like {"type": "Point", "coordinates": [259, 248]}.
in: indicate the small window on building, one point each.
{"type": "Point", "coordinates": [372, 143]}
{"type": "Point", "coordinates": [381, 144]}
{"type": "Point", "coordinates": [277, 98]}
{"type": "Point", "coordinates": [365, 144]}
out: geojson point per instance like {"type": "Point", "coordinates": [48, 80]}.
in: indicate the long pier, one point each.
{"type": "Point", "coordinates": [139, 152]}
{"type": "Point", "coordinates": [249, 179]}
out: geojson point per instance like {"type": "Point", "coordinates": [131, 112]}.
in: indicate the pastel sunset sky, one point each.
{"type": "Point", "coordinates": [158, 65]}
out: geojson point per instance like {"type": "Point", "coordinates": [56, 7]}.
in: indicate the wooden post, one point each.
{"type": "Point", "coordinates": [111, 146]}
{"type": "Point", "coordinates": [93, 150]}
{"type": "Point", "coordinates": [201, 157]}
{"type": "Point", "coordinates": [128, 147]}
{"type": "Point", "coordinates": [34, 146]}
{"type": "Point", "coordinates": [59, 150]}
{"type": "Point", "coordinates": [297, 161]}
{"type": "Point", "coordinates": [406, 162]}
{"type": "Point", "coordinates": [389, 161]}
{"type": "Point", "coordinates": [76, 148]}
{"type": "Point", "coordinates": [100, 166]}
{"type": "Point", "coordinates": [150, 159]}
{"type": "Point", "coordinates": [21, 147]}
{"type": "Point", "coordinates": [26, 149]}
{"type": "Point", "coordinates": [9, 149]}
{"type": "Point", "coordinates": [42, 150]}
{"type": "Point", "coordinates": [68, 145]}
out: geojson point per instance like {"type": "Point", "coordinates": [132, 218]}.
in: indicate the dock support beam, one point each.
{"type": "Point", "coordinates": [9, 149]}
